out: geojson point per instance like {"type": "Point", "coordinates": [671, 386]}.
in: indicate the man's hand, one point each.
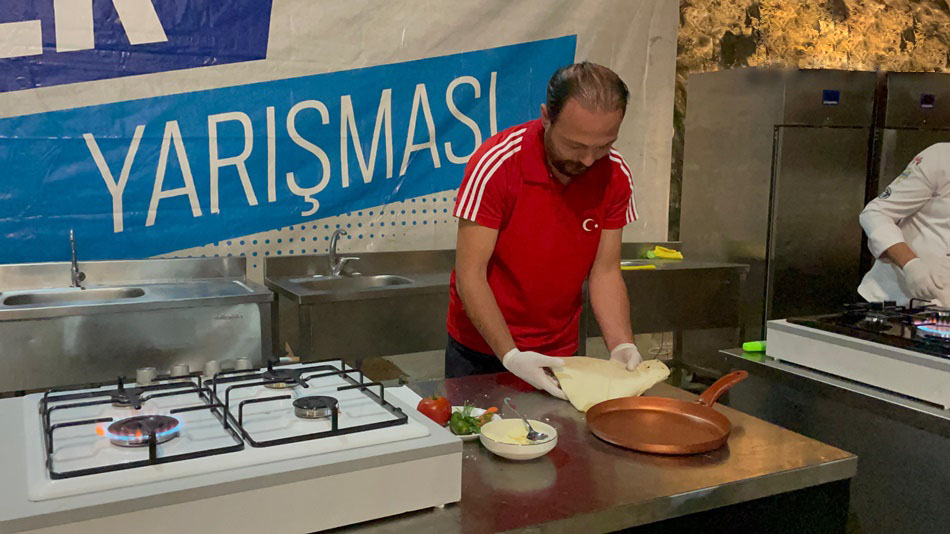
{"type": "Point", "coordinates": [627, 354]}
{"type": "Point", "coordinates": [529, 366]}
{"type": "Point", "coordinates": [926, 278]}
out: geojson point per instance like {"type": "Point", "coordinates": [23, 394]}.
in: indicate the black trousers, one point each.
{"type": "Point", "coordinates": [463, 361]}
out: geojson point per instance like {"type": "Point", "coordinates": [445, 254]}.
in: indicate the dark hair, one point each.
{"type": "Point", "coordinates": [594, 86]}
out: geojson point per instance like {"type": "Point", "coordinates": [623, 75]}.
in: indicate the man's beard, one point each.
{"type": "Point", "coordinates": [569, 167]}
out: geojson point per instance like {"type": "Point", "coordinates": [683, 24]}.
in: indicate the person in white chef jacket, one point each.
{"type": "Point", "coordinates": [908, 229]}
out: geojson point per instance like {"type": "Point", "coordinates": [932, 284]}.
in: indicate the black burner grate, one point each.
{"type": "Point", "coordinates": [136, 397]}
{"type": "Point", "coordinates": [301, 376]}
{"type": "Point", "coordinates": [230, 416]}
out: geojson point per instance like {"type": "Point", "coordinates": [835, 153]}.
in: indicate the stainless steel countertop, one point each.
{"type": "Point", "coordinates": [922, 415]}
{"type": "Point", "coordinates": [432, 281]}
{"type": "Point", "coordinates": [685, 264]}
{"type": "Point", "coordinates": [155, 296]}
{"type": "Point", "coordinates": [422, 283]}
{"type": "Point", "coordinates": [586, 485]}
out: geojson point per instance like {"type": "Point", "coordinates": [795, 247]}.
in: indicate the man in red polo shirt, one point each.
{"type": "Point", "coordinates": [541, 209]}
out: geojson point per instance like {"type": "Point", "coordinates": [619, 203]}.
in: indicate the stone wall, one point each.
{"type": "Point", "coordinates": [895, 35]}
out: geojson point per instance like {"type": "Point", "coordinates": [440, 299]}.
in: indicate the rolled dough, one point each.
{"type": "Point", "coordinates": [587, 381]}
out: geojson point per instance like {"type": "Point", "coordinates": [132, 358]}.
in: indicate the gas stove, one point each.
{"type": "Point", "coordinates": [920, 328]}
{"type": "Point", "coordinates": [227, 434]}
{"type": "Point", "coordinates": [903, 349]}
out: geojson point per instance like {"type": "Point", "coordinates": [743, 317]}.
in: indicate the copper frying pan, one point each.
{"type": "Point", "coordinates": [662, 425]}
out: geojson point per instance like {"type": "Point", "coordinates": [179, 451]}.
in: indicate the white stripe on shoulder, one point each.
{"type": "Point", "coordinates": [616, 157]}
{"type": "Point", "coordinates": [632, 214]}
{"type": "Point", "coordinates": [479, 166]}
{"type": "Point", "coordinates": [481, 191]}
{"type": "Point", "coordinates": [480, 179]}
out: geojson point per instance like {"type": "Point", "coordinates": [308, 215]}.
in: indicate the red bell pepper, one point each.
{"type": "Point", "coordinates": [436, 408]}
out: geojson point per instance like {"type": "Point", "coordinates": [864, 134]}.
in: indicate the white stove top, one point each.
{"type": "Point", "coordinates": [87, 447]}
{"type": "Point", "coordinates": [915, 374]}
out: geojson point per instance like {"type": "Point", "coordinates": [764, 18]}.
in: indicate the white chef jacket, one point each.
{"type": "Point", "coordinates": [915, 209]}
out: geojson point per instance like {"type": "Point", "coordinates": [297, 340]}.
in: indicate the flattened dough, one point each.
{"type": "Point", "coordinates": [587, 381]}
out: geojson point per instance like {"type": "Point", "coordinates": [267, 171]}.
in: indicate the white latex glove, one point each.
{"type": "Point", "coordinates": [627, 354]}
{"type": "Point", "coordinates": [943, 297]}
{"type": "Point", "coordinates": [943, 300]}
{"type": "Point", "coordinates": [926, 277]}
{"type": "Point", "coordinates": [529, 366]}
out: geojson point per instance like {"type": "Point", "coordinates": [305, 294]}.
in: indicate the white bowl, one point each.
{"type": "Point", "coordinates": [517, 451]}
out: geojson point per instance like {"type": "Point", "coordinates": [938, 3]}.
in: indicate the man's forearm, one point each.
{"type": "Point", "coordinates": [901, 253]}
{"type": "Point", "coordinates": [608, 297]}
{"type": "Point", "coordinates": [482, 309]}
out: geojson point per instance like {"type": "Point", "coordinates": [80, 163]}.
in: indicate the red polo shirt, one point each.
{"type": "Point", "coordinates": [548, 235]}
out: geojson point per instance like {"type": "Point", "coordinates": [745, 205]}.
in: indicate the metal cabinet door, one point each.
{"type": "Point", "coordinates": [819, 178]}
{"type": "Point", "coordinates": [899, 146]}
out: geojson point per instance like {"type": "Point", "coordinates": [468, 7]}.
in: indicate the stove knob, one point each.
{"type": "Point", "coordinates": [211, 368]}
{"type": "Point", "coordinates": [145, 375]}
{"type": "Point", "coordinates": [180, 369]}
{"type": "Point", "coordinates": [242, 363]}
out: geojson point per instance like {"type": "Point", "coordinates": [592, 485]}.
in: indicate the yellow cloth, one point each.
{"type": "Point", "coordinates": [648, 267]}
{"type": "Point", "coordinates": [667, 253]}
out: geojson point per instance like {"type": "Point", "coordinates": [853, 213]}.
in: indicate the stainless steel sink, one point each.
{"type": "Point", "coordinates": [156, 313]}
{"type": "Point", "coordinates": [343, 283]}
{"type": "Point", "coordinates": [401, 298]}
{"type": "Point", "coordinates": [66, 296]}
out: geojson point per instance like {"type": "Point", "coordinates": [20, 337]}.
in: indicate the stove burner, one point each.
{"type": "Point", "coordinates": [124, 397]}
{"type": "Point", "coordinates": [875, 323]}
{"type": "Point", "coordinates": [135, 431]}
{"type": "Point", "coordinates": [936, 325]}
{"type": "Point", "coordinates": [279, 385]}
{"type": "Point", "coordinates": [282, 378]}
{"type": "Point", "coordinates": [316, 407]}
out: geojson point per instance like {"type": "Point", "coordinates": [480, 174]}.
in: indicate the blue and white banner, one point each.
{"type": "Point", "coordinates": [147, 177]}
{"type": "Point", "coordinates": [53, 42]}
{"type": "Point", "coordinates": [257, 127]}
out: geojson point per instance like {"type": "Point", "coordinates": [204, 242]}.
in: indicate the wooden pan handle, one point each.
{"type": "Point", "coordinates": [713, 392]}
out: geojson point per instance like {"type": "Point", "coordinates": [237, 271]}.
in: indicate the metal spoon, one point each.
{"type": "Point", "coordinates": [533, 435]}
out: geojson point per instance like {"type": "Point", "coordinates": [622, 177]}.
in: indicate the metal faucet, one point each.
{"type": "Point", "coordinates": [337, 264]}
{"type": "Point", "coordinates": [76, 275]}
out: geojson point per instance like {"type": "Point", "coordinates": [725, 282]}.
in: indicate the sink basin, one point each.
{"type": "Point", "coordinates": [336, 283]}
{"type": "Point", "coordinates": [66, 296]}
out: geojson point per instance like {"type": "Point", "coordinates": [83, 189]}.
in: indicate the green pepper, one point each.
{"type": "Point", "coordinates": [463, 423]}
{"type": "Point", "coordinates": [458, 425]}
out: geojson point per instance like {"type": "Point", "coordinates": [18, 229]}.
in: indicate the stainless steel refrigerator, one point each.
{"type": "Point", "coordinates": [916, 115]}
{"type": "Point", "coordinates": [776, 167]}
